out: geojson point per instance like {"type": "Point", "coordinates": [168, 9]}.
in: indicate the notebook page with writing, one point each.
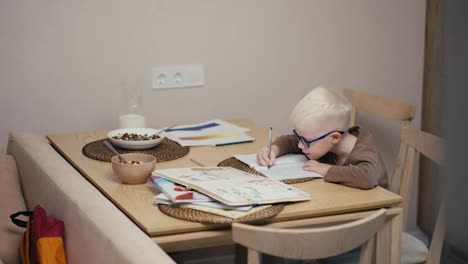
{"type": "Point", "coordinates": [288, 166]}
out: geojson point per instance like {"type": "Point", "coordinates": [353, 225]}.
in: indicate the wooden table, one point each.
{"type": "Point", "coordinates": [330, 203]}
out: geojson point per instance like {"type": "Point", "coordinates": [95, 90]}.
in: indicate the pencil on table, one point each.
{"type": "Point", "coordinates": [269, 145]}
{"type": "Point", "coordinates": [197, 162]}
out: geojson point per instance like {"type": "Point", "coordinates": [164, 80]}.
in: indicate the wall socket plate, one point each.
{"type": "Point", "coordinates": [178, 76]}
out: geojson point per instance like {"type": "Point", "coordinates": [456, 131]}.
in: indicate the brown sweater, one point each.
{"type": "Point", "coordinates": [362, 169]}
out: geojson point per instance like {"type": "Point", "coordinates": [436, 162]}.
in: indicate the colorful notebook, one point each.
{"type": "Point", "coordinates": [177, 193]}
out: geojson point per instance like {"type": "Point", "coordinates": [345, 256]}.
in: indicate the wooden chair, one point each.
{"type": "Point", "coordinates": [415, 141]}
{"type": "Point", "coordinates": [389, 109]}
{"type": "Point", "coordinates": [386, 108]}
{"type": "Point", "coordinates": [401, 179]}
{"type": "Point", "coordinates": [311, 243]}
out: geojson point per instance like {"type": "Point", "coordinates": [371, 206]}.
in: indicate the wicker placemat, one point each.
{"type": "Point", "coordinates": [193, 215]}
{"type": "Point", "coordinates": [236, 164]}
{"type": "Point", "coordinates": [165, 151]}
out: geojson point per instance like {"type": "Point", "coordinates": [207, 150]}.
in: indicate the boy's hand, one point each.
{"type": "Point", "coordinates": [315, 166]}
{"type": "Point", "coordinates": [262, 156]}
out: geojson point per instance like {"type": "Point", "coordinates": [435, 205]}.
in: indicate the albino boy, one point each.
{"type": "Point", "coordinates": [342, 155]}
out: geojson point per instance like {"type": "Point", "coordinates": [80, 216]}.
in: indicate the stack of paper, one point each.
{"type": "Point", "coordinates": [163, 199]}
{"type": "Point", "coordinates": [221, 190]}
{"type": "Point", "coordinates": [231, 213]}
{"type": "Point", "coordinates": [177, 195]}
{"type": "Point", "coordinates": [286, 167]}
{"type": "Point", "coordinates": [212, 133]}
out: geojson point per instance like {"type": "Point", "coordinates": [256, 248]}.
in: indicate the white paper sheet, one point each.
{"type": "Point", "coordinates": [210, 133]}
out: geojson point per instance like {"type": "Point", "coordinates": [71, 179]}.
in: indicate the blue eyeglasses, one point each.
{"type": "Point", "coordinates": [308, 142]}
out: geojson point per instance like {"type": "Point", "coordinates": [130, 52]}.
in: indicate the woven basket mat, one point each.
{"type": "Point", "coordinates": [165, 151]}
{"type": "Point", "coordinates": [236, 164]}
{"type": "Point", "coordinates": [193, 215]}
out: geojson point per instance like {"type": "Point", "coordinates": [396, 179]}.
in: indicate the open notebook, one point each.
{"type": "Point", "coordinates": [233, 187]}
{"type": "Point", "coordinates": [286, 167]}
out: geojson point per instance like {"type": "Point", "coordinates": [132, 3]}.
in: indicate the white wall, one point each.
{"type": "Point", "coordinates": [61, 61]}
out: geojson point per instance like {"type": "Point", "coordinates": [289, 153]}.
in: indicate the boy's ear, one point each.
{"type": "Point", "coordinates": [335, 137]}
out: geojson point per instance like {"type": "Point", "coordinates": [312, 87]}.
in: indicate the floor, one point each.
{"type": "Point", "coordinates": [214, 255]}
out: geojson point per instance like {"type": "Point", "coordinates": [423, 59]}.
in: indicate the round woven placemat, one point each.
{"type": "Point", "coordinates": [165, 151]}
{"type": "Point", "coordinates": [236, 164]}
{"type": "Point", "coordinates": [208, 218]}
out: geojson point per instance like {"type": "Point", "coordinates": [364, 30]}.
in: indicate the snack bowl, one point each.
{"type": "Point", "coordinates": [135, 138]}
{"type": "Point", "coordinates": [137, 169]}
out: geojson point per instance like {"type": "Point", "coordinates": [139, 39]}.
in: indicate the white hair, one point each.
{"type": "Point", "coordinates": [322, 108]}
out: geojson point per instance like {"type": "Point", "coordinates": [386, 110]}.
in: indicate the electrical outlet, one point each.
{"type": "Point", "coordinates": [178, 77]}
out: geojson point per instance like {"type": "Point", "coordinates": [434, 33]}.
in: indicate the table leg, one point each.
{"type": "Point", "coordinates": [388, 242]}
{"type": "Point", "coordinates": [397, 229]}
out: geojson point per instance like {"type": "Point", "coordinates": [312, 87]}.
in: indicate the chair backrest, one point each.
{"type": "Point", "coordinates": [380, 106]}
{"type": "Point", "coordinates": [312, 243]}
{"type": "Point", "coordinates": [432, 147]}
{"type": "Point", "coordinates": [386, 108]}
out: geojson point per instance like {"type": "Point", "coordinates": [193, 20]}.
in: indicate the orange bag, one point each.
{"type": "Point", "coordinates": [42, 241]}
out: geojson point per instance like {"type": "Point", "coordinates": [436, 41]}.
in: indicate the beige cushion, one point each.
{"type": "Point", "coordinates": [413, 250]}
{"type": "Point", "coordinates": [11, 201]}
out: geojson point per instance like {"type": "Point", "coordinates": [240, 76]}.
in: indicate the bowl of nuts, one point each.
{"type": "Point", "coordinates": [135, 168]}
{"type": "Point", "coordinates": [135, 138]}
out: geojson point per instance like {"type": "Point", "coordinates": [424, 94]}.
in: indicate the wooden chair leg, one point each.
{"type": "Point", "coordinates": [382, 250]}
{"type": "Point", "coordinates": [395, 237]}
{"type": "Point", "coordinates": [367, 250]}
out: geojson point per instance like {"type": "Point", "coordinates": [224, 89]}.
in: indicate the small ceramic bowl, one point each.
{"type": "Point", "coordinates": [133, 173]}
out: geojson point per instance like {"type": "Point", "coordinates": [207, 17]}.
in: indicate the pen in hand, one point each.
{"type": "Point", "coordinates": [269, 146]}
